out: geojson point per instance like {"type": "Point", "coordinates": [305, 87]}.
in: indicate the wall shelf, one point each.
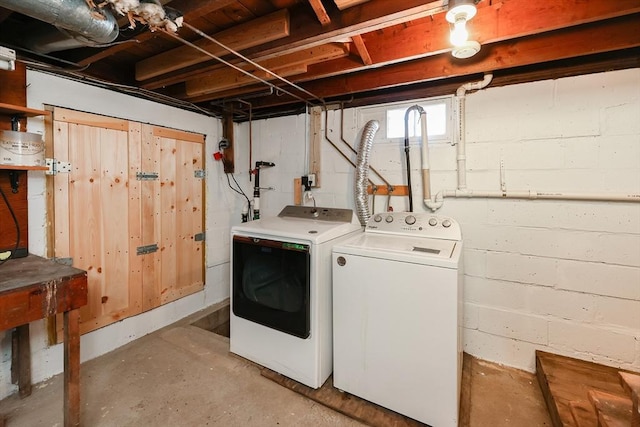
{"type": "Point", "coordinates": [12, 110]}
{"type": "Point", "coordinates": [24, 168]}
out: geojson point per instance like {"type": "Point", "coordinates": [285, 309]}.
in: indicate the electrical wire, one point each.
{"type": "Point", "coordinates": [237, 190]}
{"type": "Point", "coordinates": [211, 55]}
{"type": "Point", "coordinates": [15, 221]}
{"type": "Point", "coordinates": [255, 64]}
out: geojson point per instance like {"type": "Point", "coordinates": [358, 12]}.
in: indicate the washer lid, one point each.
{"type": "Point", "coordinates": [418, 250]}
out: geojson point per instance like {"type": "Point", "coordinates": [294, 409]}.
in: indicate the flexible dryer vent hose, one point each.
{"type": "Point", "coordinates": [362, 170]}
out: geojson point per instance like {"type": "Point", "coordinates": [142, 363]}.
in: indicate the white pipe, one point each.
{"type": "Point", "coordinates": [461, 137]}
{"type": "Point", "coordinates": [424, 150]}
{"type": "Point", "coordinates": [434, 203]}
{"type": "Point", "coordinates": [533, 195]}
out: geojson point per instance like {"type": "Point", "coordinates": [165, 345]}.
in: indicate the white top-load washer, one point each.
{"type": "Point", "coordinates": [281, 290]}
{"type": "Point", "coordinates": [397, 315]}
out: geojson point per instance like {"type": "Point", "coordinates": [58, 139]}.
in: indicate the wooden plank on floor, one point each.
{"type": "Point", "coordinates": [349, 405]}
{"type": "Point", "coordinates": [566, 382]}
{"type": "Point", "coordinates": [612, 410]}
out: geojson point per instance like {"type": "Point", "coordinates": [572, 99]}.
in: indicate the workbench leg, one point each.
{"type": "Point", "coordinates": [72, 368]}
{"type": "Point", "coordinates": [21, 360]}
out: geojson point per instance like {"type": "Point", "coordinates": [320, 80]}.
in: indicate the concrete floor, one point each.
{"type": "Point", "coordinates": [184, 376]}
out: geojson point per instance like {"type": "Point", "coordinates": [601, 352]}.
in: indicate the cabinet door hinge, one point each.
{"type": "Point", "coordinates": [147, 249]}
{"type": "Point", "coordinates": [147, 176]}
{"type": "Point", "coordinates": [200, 173]}
{"type": "Point", "coordinates": [56, 167]}
{"type": "Point", "coordinates": [200, 237]}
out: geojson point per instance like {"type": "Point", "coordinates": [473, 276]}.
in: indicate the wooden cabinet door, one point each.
{"type": "Point", "coordinates": [93, 206]}
{"type": "Point", "coordinates": [104, 213]}
{"type": "Point", "coordinates": [175, 202]}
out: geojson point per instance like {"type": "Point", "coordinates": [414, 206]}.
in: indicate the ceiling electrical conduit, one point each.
{"type": "Point", "coordinates": [435, 202]}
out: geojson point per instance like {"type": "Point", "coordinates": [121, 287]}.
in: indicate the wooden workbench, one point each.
{"type": "Point", "coordinates": [34, 288]}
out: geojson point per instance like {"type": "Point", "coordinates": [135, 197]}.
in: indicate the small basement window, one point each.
{"type": "Point", "coordinates": [391, 119]}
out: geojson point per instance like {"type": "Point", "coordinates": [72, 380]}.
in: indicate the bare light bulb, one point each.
{"type": "Point", "coordinates": [459, 34]}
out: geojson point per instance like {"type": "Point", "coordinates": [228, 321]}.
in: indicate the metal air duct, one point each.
{"type": "Point", "coordinates": [72, 17]}
{"type": "Point", "coordinates": [362, 170]}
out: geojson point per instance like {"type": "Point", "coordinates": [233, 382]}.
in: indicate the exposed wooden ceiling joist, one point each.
{"type": "Point", "coordinates": [617, 34]}
{"type": "Point", "coordinates": [306, 32]}
{"type": "Point", "coordinates": [219, 80]}
{"type": "Point", "coordinates": [320, 12]}
{"type": "Point", "coordinates": [345, 4]}
{"type": "Point", "coordinates": [361, 47]}
{"type": "Point", "coordinates": [271, 27]}
{"type": "Point", "coordinates": [430, 36]}
{"type": "Point", "coordinates": [395, 44]}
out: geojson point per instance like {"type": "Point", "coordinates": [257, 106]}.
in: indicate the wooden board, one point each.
{"type": "Point", "coordinates": [383, 190]}
{"type": "Point", "coordinates": [565, 384]}
{"type": "Point", "coordinates": [345, 403]}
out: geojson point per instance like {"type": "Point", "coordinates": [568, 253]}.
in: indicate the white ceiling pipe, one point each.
{"type": "Point", "coordinates": [533, 195]}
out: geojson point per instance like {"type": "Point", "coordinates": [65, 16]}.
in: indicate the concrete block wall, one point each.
{"type": "Point", "coordinates": [561, 276]}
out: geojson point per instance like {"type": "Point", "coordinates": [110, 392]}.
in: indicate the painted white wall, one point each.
{"type": "Point", "coordinates": [553, 275]}
{"type": "Point", "coordinates": [44, 89]}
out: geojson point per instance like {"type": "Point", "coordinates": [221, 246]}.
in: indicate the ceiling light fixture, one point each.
{"type": "Point", "coordinates": [461, 11]}
{"type": "Point", "coordinates": [7, 59]}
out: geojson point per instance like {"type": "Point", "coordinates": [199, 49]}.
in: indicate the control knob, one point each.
{"type": "Point", "coordinates": [410, 219]}
{"type": "Point", "coordinates": [377, 218]}
{"type": "Point", "coordinates": [446, 223]}
{"type": "Point", "coordinates": [389, 219]}
{"type": "Point", "coordinates": [433, 222]}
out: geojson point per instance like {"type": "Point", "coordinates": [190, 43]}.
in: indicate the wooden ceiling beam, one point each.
{"type": "Point", "coordinates": [226, 78]}
{"type": "Point", "coordinates": [611, 35]}
{"type": "Point", "coordinates": [371, 16]}
{"type": "Point", "coordinates": [430, 36]}
{"type": "Point", "coordinates": [345, 4]}
{"type": "Point", "coordinates": [361, 47]}
{"type": "Point", "coordinates": [268, 28]}
{"type": "Point", "coordinates": [306, 32]}
{"type": "Point", "coordinates": [320, 12]}
{"type": "Point", "coordinates": [392, 45]}
{"type": "Point", "coordinates": [189, 8]}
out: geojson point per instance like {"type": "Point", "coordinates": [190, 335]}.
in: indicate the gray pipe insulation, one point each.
{"type": "Point", "coordinates": [362, 170]}
{"type": "Point", "coordinates": [71, 15]}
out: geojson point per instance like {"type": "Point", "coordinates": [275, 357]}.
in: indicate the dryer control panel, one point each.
{"type": "Point", "coordinates": [418, 224]}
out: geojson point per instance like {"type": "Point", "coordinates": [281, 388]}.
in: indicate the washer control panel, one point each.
{"type": "Point", "coordinates": [419, 224]}
{"type": "Point", "coordinates": [321, 214]}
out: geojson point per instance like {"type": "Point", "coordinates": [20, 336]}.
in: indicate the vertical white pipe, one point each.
{"type": "Point", "coordinates": [461, 149]}
{"type": "Point", "coordinates": [426, 174]}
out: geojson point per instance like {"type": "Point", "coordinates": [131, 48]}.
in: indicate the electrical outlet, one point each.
{"type": "Point", "coordinates": [312, 180]}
